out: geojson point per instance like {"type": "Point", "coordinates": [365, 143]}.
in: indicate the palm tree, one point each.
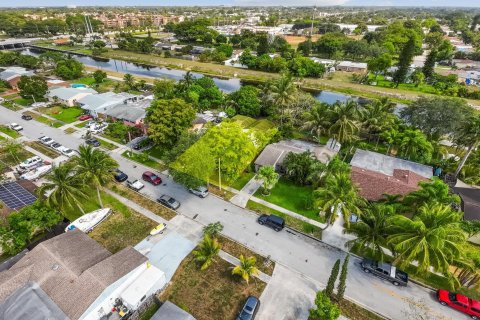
{"type": "Point", "coordinates": [371, 230]}
{"type": "Point", "coordinates": [269, 178]}
{"type": "Point", "coordinates": [64, 188]}
{"type": "Point", "coordinates": [432, 238]}
{"type": "Point", "coordinates": [339, 195]}
{"type": "Point", "coordinates": [187, 81]}
{"type": "Point", "coordinates": [469, 136]}
{"type": "Point", "coordinates": [414, 142]}
{"type": "Point", "coordinates": [345, 121]}
{"type": "Point", "coordinates": [377, 116]}
{"type": "Point", "coordinates": [207, 251]}
{"type": "Point", "coordinates": [94, 167]}
{"type": "Point", "coordinates": [282, 92]}
{"type": "Point", "coordinates": [317, 119]}
{"type": "Point", "coordinates": [431, 191]}
{"type": "Point", "coordinates": [129, 81]}
{"type": "Point", "coordinates": [392, 137]}
{"type": "Point", "coordinates": [12, 147]}
{"type": "Point", "coordinates": [246, 268]}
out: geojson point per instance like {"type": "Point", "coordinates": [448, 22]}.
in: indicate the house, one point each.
{"type": "Point", "coordinates": [376, 174]}
{"type": "Point", "coordinates": [56, 83]}
{"type": "Point", "coordinates": [12, 75]}
{"type": "Point", "coordinates": [470, 202]}
{"type": "Point", "coordinates": [68, 96]}
{"type": "Point", "coordinates": [71, 276]}
{"type": "Point", "coordinates": [274, 154]}
{"type": "Point", "coordinates": [170, 311]}
{"type": "Point", "coordinates": [350, 66]}
{"type": "Point", "coordinates": [131, 113]}
{"type": "Point", "coordinates": [97, 104]}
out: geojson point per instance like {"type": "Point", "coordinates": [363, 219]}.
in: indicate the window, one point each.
{"type": "Point", "coordinates": [476, 310]}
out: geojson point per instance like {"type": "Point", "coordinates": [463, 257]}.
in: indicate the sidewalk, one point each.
{"type": "Point", "coordinates": [242, 197]}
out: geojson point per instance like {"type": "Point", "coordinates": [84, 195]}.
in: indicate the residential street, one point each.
{"type": "Point", "coordinates": [309, 259]}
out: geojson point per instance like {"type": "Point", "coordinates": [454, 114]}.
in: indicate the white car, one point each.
{"type": "Point", "coordinates": [135, 185]}
{"type": "Point", "coordinates": [66, 151]}
{"type": "Point", "coordinates": [16, 126]}
{"type": "Point", "coordinates": [31, 163]}
{"type": "Point", "coordinates": [46, 140]}
{"type": "Point", "coordinates": [99, 128]}
{"type": "Point", "coordinates": [90, 124]}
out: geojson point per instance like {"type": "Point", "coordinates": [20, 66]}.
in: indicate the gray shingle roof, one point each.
{"type": "Point", "coordinates": [68, 93]}
{"type": "Point", "coordinates": [126, 112]}
{"type": "Point", "coordinates": [170, 311]}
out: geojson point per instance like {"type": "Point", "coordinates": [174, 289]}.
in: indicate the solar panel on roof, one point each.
{"type": "Point", "coordinates": [15, 196]}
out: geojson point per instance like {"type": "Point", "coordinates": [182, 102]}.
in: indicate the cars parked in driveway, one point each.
{"type": "Point", "coordinates": [136, 185]}
{"type": "Point", "coordinates": [120, 176]}
{"type": "Point", "coordinates": [385, 271]}
{"type": "Point", "coordinates": [66, 151]}
{"type": "Point", "coordinates": [249, 309]}
{"type": "Point", "coordinates": [31, 163]}
{"type": "Point", "coordinates": [56, 146]}
{"type": "Point", "coordinates": [201, 191]}
{"type": "Point", "coordinates": [46, 140]}
{"type": "Point", "coordinates": [152, 178]}
{"type": "Point", "coordinates": [460, 303]}
{"type": "Point", "coordinates": [27, 117]}
{"type": "Point", "coordinates": [84, 117]}
{"type": "Point", "coordinates": [275, 222]}
{"type": "Point", "coordinates": [16, 126]}
{"type": "Point", "coordinates": [92, 141]}
{"type": "Point", "coordinates": [169, 202]}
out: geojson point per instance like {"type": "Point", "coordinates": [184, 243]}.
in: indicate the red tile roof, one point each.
{"type": "Point", "coordinates": [374, 184]}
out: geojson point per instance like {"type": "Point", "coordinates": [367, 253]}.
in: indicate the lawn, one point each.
{"type": "Point", "coordinates": [156, 152]}
{"type": "Point", "coordinates": [212, 294]}
{"type": "Point", "coordinates": [42, 119]}
{"type": "Point", "coordinates": [110, 137]}
{"type": "Point", "coordinates": [11, 105]}
{"type": "Point", "coordinates": [49, 152]}
{"type": "Point", "coordinates": [64, 114]}
{"type": "Point", "coordinates": [69, 130]}
{"type": "Point", "coordinates": [23, 102]}
{"type": "Point", "coordinates": [293, 197]}
{"type": "Point", "coordinates": [145, 161]}
{"type": "Point", "coordinates": [290, 221]}
{"type": "Point", "coordinates": [106, 145]}
{"type": "Point", "coordinates": [242, 181]}
{"type": "Point", "coordinates": [81, 124]}
{"type": "Point", "coordinates": [10, 160]}
{"type": "Point", "coordinates": [12, 133]}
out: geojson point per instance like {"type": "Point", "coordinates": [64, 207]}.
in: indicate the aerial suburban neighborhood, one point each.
{"type": "Point", "coordinates": [308, 160]}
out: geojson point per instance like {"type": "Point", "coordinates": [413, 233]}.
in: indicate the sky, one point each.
{"type": "Point", "coordinates": [424, 3]}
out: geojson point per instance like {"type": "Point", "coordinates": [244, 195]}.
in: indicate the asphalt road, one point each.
{"type": "Point", "coordinates": [309, 258]}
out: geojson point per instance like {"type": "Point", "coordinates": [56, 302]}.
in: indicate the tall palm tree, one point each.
{"type": "Point", "coordinates": [269, 177]}
{"type": "Point", "coordinates": [316, 120]}
{"type": "Point", "coordinates": [338, 195]}
{"type": "Point", "coordinates": [371, 230]}
{"type": "Point", "coordinates": [392, 137]}
{"type": "Point", "coordinates": [345, 119]}
{"type": "Point", "coordinates": [246, 268]}
{"type": "Point", "coordinates": [377, 116]}
{"type": "Point", "coordinates": [12, 147]}
{"type": "Point", "coordinates": [207, 251]}
{"type": "Point", "coordinates": [64, 188]}
{"type": "Point", "coordinates": [415, 142]}
{"type": "Point", "coordinates": [469, 136]}
{"type": "Point", "coordinates": [129, 80]}
{"type": "Point", "coordinates": [431, 191]}
{"type": "Point", "coordinates": [432, 238]}
{"type": "Point", "coordinates": [282, 93]}
{"type": "Point", "coordinates": [95, 167]}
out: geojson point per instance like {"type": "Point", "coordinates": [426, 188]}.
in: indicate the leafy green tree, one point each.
{"type": "Point", "coordinates": [164, 89]}
{"type": "Point", "coordinates": [333, 277]}
{"type": "Point", "coordinates": [246, 101]}
{"type": "Point", "coordinates": [325, 308]}
{"type": "Point", "coordinates": [404, 61]}
{"type": "Point", "coordinates": [269, 178]}
{"type": "Point", "coordinates": [99, 76]}
{"type": "Point", "coordinates": [342, 285]}
{"type": "Point", "coordinates": [302, 168]}
{"type": "Point", "coordinates": [69, 69]}
{"type": "Point", "coordinates": [433, 238]}
{"type": "Point", "coordinates": [185, 141]}
{"type": "Point", "coordinates": [468, 136]}
{"type": "Point", "coordinates": [379, 64]}
{"type": "Point", "coordinates": [330, 44]}
{"type": "Point", "coordinates": [213, 229]}
{"type": "Point", "coordinates": [168, 120]}
{"type": "Point", "coordinates": [417, 77]}
{"type": "Point", "coordinates": [305, 47]}
{"type": "Point", "coordinates": [206, 252]}
{"type": "Point", "coordinates": [64, 187]}
{"type": "Point", "coordinates": [194, 167]}
{"type": "Point", "coordinates": [27, 61]}
{"type": "Point", "coordinates": [33, 86]}
{"type": "Point", "coordinates": [246, 268]}
{"type": "Point", "coordinates": [95, 167]}
{"type": "Point", "coordinates": [429, 65]}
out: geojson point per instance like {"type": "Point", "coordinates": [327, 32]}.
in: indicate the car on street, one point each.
{"type": "Point", "coordinates": [120, 176]}
{"type": "Point", "coordinates": [136, 185]}
{"type": "Point", "coordinates": [169, 202]}
{"type": "Point", "coordinates": [459, 302]}
{"type": "Point", "coordinates": [16, 126]}
{"type": "Point", "coordinates": [201, 191]}
{"type": "Point", "coordinates": [46, 140]}
{"type": "Point", "coordinates": [249, 309]}
{"type": "Point", "coordinates": [385, 271]}
{"type": "Point", "coordinates": [55, 146]}
{"type": "Point", "coordinates": [84, 117]}
{"type": "Point", "coordinates": [152, 178]}
{"type": "Point", "coordinates": [66, 151]}
{"type": "Point", "coordinates": [158, 229]}
{"type": "Point", "coordinates": [27, 117]}
{"type": "Point", "coordinates": [31, 163]}
{"type": "Point", "coordinates": [275, 222]}
{"type": "Point", "coordinates": [93, 142]}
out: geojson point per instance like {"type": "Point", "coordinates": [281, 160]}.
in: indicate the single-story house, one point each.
{"type": "Point", "coordinates": [12, 75]}
{"type": "Point", "coordinates": [131, 113]}
{"type": "Point", "coordinates": [376, 174]}
{"type": "Point", "coordinates": [56, 83]}
{"type": "Point", "coordinates": [350, 66]}
{"type": "Point", "coordinates": [470, 202]}
{"type": "Point", "coordinates": [274, 154]}
{"type": "Point", "coordinates": [71, 276]}
{"type": "Point", "coordinates": [170, 311]}
{"type": "Point", "coordinates": [68, 96]}
{"type": "Point", "coordinates": [97, 104]}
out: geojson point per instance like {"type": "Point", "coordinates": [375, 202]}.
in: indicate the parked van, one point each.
{"type": "Point", "coordinates": [272, 221]}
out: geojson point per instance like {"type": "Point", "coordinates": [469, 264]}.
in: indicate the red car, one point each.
{"type": "Point", "coordinates": [84, 117]}
{"type": "Point", "coordinates": [459, 302]}
{"type": "Point", "coordinates": [151, 177]}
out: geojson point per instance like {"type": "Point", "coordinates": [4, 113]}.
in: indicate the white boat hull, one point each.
{"type": "Point", "coordinates": [89, 221]}
{"type": "Point", "coordinates": [37, 172]}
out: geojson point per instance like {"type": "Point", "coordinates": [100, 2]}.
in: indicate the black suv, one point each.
{"type": "Point", "coordinates": [92, 141]}
{"type": "Point", "coordinates": [120, 176]}
{"type": "Point", "coordinates": [26, 117]}
{"type": "Point", "coordinates": [272, 221]}
{"type": "Point", "coordinates": [249, 309]}
{"type": "Point", "coordinates": [385, 271]}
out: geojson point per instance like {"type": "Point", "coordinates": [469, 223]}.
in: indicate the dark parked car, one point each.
{"type": "Point", "coordinates": [249, 309]}
{"type": "Point", "coordinates": [169, 202]}
{"type": "Point", "coordinates": [26, 117]}
{"type": "Point", "coordinates": [92, 141]}
{"type": "Point", "coordinates": [385, 271]}
{"type": "Point", "coordinates": [152, 178]}
{"type": "Point", "coordinates": [120, 176]}
{"type": "Point", "coordinates": [272, 221]}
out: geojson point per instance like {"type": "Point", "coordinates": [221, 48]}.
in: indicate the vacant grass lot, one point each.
{"type": "Point", "coordinates": [293, 197]}
{"type": "Point", "coordinates": [49, 152]}
{"type": "Point", "coordinates": [212, 294]}
{"type": "Point", "coordinates": [42, 119]}
{"type": "Point", "coordinates": [242, 181]}
{"type": "Point", "coordinates": [64, 114]}
{"type": "Point", "coordinates": [143, 160]}
{"type": "Point", "coordinates": [13, 160]}
{"type": "Point", "coordinates": [23, 102]}
{"type": "Point", "coordinates": [12, 133]}
{"type": "Point", "coordinates": [81, 124]}
{"type": "Point", "coordinates": [106, 145]}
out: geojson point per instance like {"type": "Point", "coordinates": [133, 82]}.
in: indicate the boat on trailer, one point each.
{"type": "Point", "coordinates": [89, 221]}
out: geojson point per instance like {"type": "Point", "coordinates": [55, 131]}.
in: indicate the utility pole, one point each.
{"type": "Point", "coordinates": [313, 17]}
{"type": "Point", "coordinates": [219, 175]}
